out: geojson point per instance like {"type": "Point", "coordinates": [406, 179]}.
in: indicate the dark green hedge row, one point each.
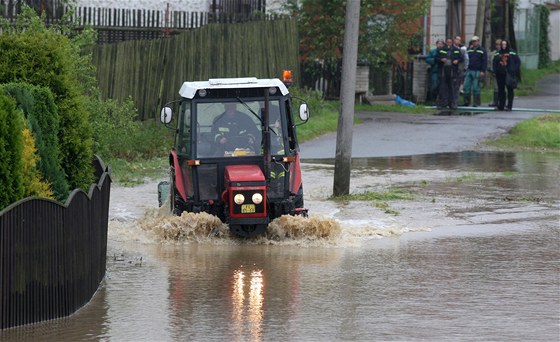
{"type": "Point", "coordinates": [45, 58]}
{"type": "Point", "coordinates": [37, 104]}
{"type": "Point", "coordinates": [11, 149]}
{"type": "Point", "coordinates": [544, 36]}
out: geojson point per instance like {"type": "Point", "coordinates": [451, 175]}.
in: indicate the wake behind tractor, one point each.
{"type": "Point", "coordinates": [236, 154]}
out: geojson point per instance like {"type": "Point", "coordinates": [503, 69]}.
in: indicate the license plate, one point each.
{"type": "Point", "coordinates": [248, 208]}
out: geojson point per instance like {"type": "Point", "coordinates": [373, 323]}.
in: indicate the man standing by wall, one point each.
{"type": "Point", "coordinates": [448, 59]}
{"type": "Point", "coordinates": [492, 73]}
{"type": "Point", "coordinates": [457, 42]}
{"type": "Point", "coordinates": [478, 60]}
{"type": "Point", "coordinates": [431, 61]}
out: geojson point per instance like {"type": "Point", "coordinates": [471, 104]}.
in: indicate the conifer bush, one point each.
{"type": "Point", "coordinates": [33, 182]}
{"type": "Point", "coordinates": [37, 104]}
{"type": "Point", "coordinates": [36, 55]}
{"type": "Point", "coordinates": [11, 149]}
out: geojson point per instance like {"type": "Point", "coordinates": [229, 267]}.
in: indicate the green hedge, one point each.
{"type": "Point", "coordinates": [37, 104]}
{"type": "Point", "coordinates": [11, 149]}
{"type": "Point", "coordinates": [46, 58]}
{"type": "Point", "coordinates": [544, 43]}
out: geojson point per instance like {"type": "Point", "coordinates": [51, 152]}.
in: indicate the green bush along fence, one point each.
{"type": "Point", "coordinates": [38, 106]}
{"type": "Point", "coordinates": [151, 72]}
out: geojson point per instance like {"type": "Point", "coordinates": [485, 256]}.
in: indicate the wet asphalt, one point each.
{"type": "Point", "coordinates": [382, 134]}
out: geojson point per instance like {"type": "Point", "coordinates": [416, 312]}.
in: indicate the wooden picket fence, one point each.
{"type": "Point", "coordinates": [152, 71]}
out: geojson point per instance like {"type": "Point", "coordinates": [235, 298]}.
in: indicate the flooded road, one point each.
{"type": "Point", "coordinates": [472, 254]}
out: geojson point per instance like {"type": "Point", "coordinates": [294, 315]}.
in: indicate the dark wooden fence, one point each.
{"type": "Point", "coordinates": [53, 256]}
{"type": "Point", "coordinates": [326, 78]}
{"type": "Point", "coordinates": [152, 71]}
{"type": "Point", "coordinates": [117, 25]}
{"type": "Point", "coordinates": [52, 9]}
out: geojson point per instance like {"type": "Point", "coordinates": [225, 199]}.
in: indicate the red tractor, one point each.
{"type": "Point", "coordinates": [236, 153]}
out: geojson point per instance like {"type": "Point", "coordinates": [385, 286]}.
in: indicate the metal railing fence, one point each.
{"type": "Point", "coordinates": [53, 255]}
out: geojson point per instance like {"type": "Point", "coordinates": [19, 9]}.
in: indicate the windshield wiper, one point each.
{"type": "Point", "coordinates": [255, 114]}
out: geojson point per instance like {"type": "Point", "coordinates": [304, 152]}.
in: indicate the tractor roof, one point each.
{"type": "Point", "coordinates": [189, 89]}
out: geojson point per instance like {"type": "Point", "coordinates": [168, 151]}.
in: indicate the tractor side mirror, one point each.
{"type": "Point", "coordinates": [166, 115]}
{"type": "Point", "coordinates": [304, 112]}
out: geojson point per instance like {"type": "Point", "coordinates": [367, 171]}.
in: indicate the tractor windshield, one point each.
{"type": "Point", "coordinates": [234, 129]}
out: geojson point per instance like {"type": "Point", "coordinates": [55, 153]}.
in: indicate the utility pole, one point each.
{"type": "Point", "coordinates": [343, 158]}
{"type": "Point", "coordinates": [488, 43]}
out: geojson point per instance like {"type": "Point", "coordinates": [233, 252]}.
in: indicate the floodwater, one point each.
{"type": "Point", "coordinates": [472, 254]}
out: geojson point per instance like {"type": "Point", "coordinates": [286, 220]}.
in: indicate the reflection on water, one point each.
{"type": "Point", "coordinates": [248, 317]}
{"type": "Point", "coordinates": [256, 305]}
{"type": "Point", "coordinates": [238, 300]}
{"type": "Point", "coordinates": [464, 161]}
{"type": "Point", "coordinates": [473, 257]}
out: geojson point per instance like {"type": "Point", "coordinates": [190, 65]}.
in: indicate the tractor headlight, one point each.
{"type": "Point", "coordinates": [257, 198]}
{"type": "Point", "coordinates": [239, 199]}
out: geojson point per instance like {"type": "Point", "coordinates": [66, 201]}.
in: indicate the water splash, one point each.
{"type": "Point", "coordinates": [157, 225]}
{"type": "Point", "coordinates": [199, 227]}
{"type": "Point", "coordinates": [206, 228]}
{"type": "Point", "coordinates": [298, 227]}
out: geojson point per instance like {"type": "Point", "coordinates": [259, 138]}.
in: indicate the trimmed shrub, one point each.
{"type": "Point", "coordinates": [11, 149]}
{"type": "Point", "coordinates": [37, 104]}
{"type": "Point", "coordinates": [46, 58]}
{"type": "Point", "coordinates": [33, 181]}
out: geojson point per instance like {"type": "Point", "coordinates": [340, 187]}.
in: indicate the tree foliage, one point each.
{"type": "Point", "coordinates": [34, 184]}
{"type": "Point", "coordinates": [544, 39]}
{"type": "Point", "coordinates": [388, 29]}
{"type": "Point", "coordinates": [31, 53]}
{"type": "Point", "coordinates": [11, 149]}
{"type": "Point", "coordinates": [37, 104]}
{"type": "Point", "coordinates": [115, 128]}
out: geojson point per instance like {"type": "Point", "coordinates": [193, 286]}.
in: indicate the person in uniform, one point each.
{"type": "Point", "coordinates": [431, 61]}
{"type": "Point", "coordinates": [506, 65]}
{"type": "Point", "coordinates": [475, 72]}
{"type": "Point", "coordinates": [448, 59]}
{"type": "Point", "coordinates": [491, 56]}
{"type": "Point", "coordinates": [234, 129]}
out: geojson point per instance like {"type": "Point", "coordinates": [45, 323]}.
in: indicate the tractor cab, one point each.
{"type": "Point", "coordinates": [236, 154]}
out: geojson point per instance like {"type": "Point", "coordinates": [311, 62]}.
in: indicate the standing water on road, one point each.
{"type": "Point", "coordinates": [471, 254]}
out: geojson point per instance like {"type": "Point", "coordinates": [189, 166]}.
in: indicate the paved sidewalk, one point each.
{"type": "Point", "coordinates": [384, 134]}
{"type": "Point", "coordinates": [548, 96]}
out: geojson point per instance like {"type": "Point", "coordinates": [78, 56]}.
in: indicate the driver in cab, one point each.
{"type": "Point", "coordinates": [234, 130]}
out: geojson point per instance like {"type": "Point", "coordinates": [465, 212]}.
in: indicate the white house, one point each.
{"type": "Point", "coordinates": [450, 18]}
{"type": "Point", "coordinates": [554, 32]}
{"type": "Point", "coordinates": [174, 5]}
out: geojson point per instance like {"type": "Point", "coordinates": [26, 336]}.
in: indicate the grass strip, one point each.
{"type": "Point", "coordinates": [387, 195]}
{"type": "Point", "coordinates": [542, 132]}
